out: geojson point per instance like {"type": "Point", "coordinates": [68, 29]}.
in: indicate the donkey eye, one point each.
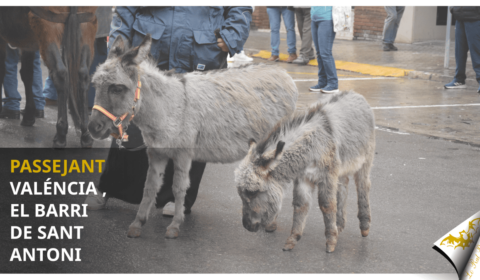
{"type": "Point", "coordinates": [251, 194]}
{"type": "Point", "coordinates": [116, 89]}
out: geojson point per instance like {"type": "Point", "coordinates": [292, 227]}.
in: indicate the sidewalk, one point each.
{"type": "Point", "coordinates": [418, 61]}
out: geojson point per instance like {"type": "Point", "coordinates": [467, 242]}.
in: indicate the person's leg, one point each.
{"type": "Point", "coordinates": [472, 31]}
{"type": "Point", "coordinates": [37, 83]}
{"type": "Point", "coordinates": [307, 34]}
{"type": "Point", "coordinates": [322, 77]}
{"type": "Point", "coordinates": [326, 36]}
{"type": "Point", "coordinates": [399, 10]}
{"type": "Point", "coordinates": [10, 83]}
{"type": "Point", "coordinates": [289, 19]}
{"type": "Point", "coordinates": [461, 52]}
{"type": "Point", "coordinates": [388, 28]}
{"type": "Point", "coordinates": [99, 57]}
{"type": "Point", "coordinates": [299, 16]}
{"type": "Point", "coordinates": [49, 90]}
{"type": "Point", "coordinates": [274, 18]}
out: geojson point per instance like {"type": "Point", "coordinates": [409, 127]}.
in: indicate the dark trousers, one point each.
{"type": "Point", "coordinates": [304, 23]}
{"type": "Point", "coordinates": [126, 171]}
{"type": "Point", "coordinates": [467, 38]}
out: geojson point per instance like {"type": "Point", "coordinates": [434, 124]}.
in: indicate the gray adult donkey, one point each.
{"type": "Point", "coordinates": [315, 149]}
{"type": "Point", "coordinates": [196, 116]}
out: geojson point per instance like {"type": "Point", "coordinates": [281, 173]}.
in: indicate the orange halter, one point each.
{"type": "Point", "coordinates": [117, 121]}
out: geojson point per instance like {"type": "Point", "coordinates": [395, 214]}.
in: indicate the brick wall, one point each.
{"type": "Point", "coordinates": [368, 23]}
{"type": "Point", "coordinates": [260, 18]}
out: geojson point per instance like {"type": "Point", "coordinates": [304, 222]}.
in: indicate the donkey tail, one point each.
{"type": "Point", "coordinates": [71, 59]}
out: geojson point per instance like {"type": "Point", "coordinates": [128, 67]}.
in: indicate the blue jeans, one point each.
{"type": "Point", "coordinates": [323, 37]}
{"type": "Point", "coordinates": [467, 37]}
{"type": "Point", "coordinates": [99, 57]}
{"type": "Point", "coordinates": [10, 84]}
{"type": "Point", "coordinates": [394, 15]}
{"type": "Point", "coordinates": [289, 19]}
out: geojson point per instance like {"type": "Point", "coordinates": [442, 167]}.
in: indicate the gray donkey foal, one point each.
{"type": "Point", "coordinates": [315, 149]}
{"type": "Point", "coordinates": [196, 116]}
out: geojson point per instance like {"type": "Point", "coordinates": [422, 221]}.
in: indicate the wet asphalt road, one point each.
{"type": "Point", "coordinates": [423, 185]}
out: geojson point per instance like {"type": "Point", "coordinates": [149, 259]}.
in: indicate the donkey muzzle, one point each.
{"type": "Point", "coordinates": [98, 125]}
{"type": "Point", "coordinates": [248, 225]}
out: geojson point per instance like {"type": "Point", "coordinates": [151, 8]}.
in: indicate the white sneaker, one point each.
{"type": "Point", "coordinates": [169, 209]}
{"type": "Point", "coordinates": [230, 59]}
{"type": "Point", "coordinates": [96, 202]}
{"type": "Point", "coordinates": [241, 56]}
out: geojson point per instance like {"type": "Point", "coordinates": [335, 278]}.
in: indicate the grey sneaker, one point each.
{"type": "Point", "coordinates": [455, 85]}
{"type": "Point", "coordinates": [96, 202]}
{"type": "Point", "coordinates": [301, 60]}
{"type": "Point", "coordinates": [169, 209]}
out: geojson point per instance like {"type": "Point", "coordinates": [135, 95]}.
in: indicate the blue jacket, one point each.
{"type": "Point", "coordinates": [183, 37]}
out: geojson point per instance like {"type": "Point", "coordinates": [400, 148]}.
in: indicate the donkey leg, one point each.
{"type": "Point", "coordinates": [181, 182]}
{"type": "Point", "coordinates": [302, 195]}
{"type": "Point", "coordinates": [27, 77]}
{"type": "Point", "coordinates": [156, 170]}
{"type": "Point", "coordinates": [342, 194]}
{"type": "Point", "coordinates": [362, 181]}
{"type": "Point", "coordinates": [2, 68]}
{"type": "Point", "coordinates": [86, 139]}
{"type": "Point", "coordinates": [327, 199]}
{"type": "Point", "coordinates": [58, 73]}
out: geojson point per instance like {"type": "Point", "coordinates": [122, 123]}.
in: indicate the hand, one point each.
{"type": "Point", "coordinates": [221, 44]}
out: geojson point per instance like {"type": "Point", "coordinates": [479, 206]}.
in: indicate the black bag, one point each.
{"type": "Point", "coordinates": [126, 171]}
{"type": "Point", "coordinates": [466, 13]}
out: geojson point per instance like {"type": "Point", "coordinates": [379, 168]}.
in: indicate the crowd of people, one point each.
{"type": "Point", "coordinates": [185, 45]}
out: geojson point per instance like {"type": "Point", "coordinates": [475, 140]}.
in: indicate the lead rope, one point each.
{"type": "Point", "coordinates": [118, 121]}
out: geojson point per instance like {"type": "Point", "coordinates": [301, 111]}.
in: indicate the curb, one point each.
{"type": "Point", "coordinates": [438, 78]}
{"type": "Point", "coordinates": [362, 68]}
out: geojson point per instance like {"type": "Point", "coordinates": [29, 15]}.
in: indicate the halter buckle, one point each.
{"type": "Point", "coordinates": [117, 122]}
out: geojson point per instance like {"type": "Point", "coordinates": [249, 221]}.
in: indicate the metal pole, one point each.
{"type": "Point", "coordinates": [447, 39]}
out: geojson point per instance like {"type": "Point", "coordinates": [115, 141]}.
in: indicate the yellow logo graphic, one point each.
{"type": "Point", "coordinates": [461, 241]}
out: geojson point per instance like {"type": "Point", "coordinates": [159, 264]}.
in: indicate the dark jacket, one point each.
{"type": "Point", "coordinates": [104, 18]}
{"type": "Point", "coordinates": [466, 13]}
{"type": "Point", "coordinates": [183, 37]}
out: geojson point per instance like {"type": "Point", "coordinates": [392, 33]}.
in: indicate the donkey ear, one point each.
{"type": "Point", "coordinates": [252, 146]}
{"type": "Point", "coordinates": [118, 48]}
{"type": "Point", "coordinates": [275, 161]}
{"type": "Point", "coordinates": [279, 149]}
{"type": "Point", "coordinates": [138, 54]}
{"type": "Point", "coordinates": [251, 142]}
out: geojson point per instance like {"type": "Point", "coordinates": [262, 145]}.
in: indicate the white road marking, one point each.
{"type": "Point", "coordinates": [391, 131]}
{"type": "Point", "coordinates": [347, 79]}
{"type": "Point", "coordinates": [426, 106]}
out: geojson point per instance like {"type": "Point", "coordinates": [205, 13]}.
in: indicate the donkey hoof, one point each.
{"type": "Point", "coordinates": [365, 232]}
{"type": "Point", "coordinates": [28, 121]}
{"type": "Point", "coordinates": [271, 227]}
{"type": "Point", "coordinates": [59, 142]}
{"type": "Point", "coordinates": [134, 232]}
{"type": "Point", "coordinates": [59, 145]}
{"type": "Point", "coordinates": [172, 233]}
{"type": "Point", "coordinates": [330, 248]}
{"type": "Point", "coordinates": [288, 247]}
{"type": "Point", "coordinates": [86, 140]}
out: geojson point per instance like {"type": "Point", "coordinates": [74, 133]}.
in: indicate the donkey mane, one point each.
{"type": "Point", "coordinates": [289, 123]}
